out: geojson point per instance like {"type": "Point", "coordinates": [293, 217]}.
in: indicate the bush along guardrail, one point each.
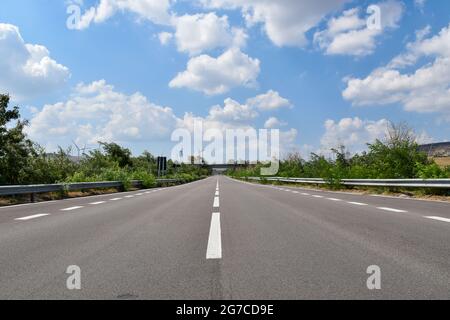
{"type": "Point", "coordinates": [63, 188]}
{"type": "Point", "coordinates": [404, 183]}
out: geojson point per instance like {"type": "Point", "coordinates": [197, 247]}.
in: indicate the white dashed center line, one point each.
{"type": "Point", "coordinates": [216, 202]}
{"type": "Point", "coordinates": [129, 197]}
{"type": "Point", "coordinates": [438, 218]}
{"type": "Point", "coordinates": [33, 217]}
{"type": "Point", "coordinates": [217, 193]}
{"type": "Point", "coordinates": [334, 199]}
{"type": "Point", "coordinates": [304, 194]}
{"type": "Point", "coordinates": [115, 199]}
{"type": "Point", "coordinates": [317, 196]}
{"type": "Point", "coordinates": [392, 210]}
{"type": "Point", "coordinates": [214, 250]}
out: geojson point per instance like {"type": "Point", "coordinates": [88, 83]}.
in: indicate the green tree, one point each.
{"type": "Point", "coordinates": [15, 148]}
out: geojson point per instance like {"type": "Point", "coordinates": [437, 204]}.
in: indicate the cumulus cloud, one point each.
{"type": "Point", "coordinates": [426, 89]}
{"type": "Point", "coordinates": [96, 112]}
{"type": "Point", "coordinates": [353, 133]}
{"type": "Point", "coordinates": [269, 101]}
{"type": "Point", "coordinates": [285, 21]}
{"type": "Point", "coordinates": [27, 69]}
{"type": "Point", "coordinates": [165, 37]}
{"type": "Point", "coordinates": [349, 34]}
{"type": "Point", "coordinates": [156, 11]}
{"type": "Point", "coordinates": [273, 123]}
{"type": "Point", "coordinates": [203, 32]}
{"type": "Point", "coordinates": [219, 75]}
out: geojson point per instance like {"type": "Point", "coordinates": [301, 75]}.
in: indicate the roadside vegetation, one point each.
{"type": "Point", "coordinates": [395, 157]}
{"type": "Point", "coordinates": [23, 161]}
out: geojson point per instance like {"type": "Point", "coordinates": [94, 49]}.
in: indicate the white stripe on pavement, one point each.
{"type": "Point", "coordinates": [334, 199]}
{"type": "Point", "coordinates": [129, 197]}
{"type": "Point", "coordinates": [438, 218]}
{"type": "Point", "coordinates": [358, 203]}
{"type": "Point", "coordinates": [217, 193]}
{"type": "Point", "coordinates": [304, 194]}
{"type": "Point", "coordinates": [392, 209]}
{"type": "Point", "coordinates": [216, 202]}
{"type": "Point", "coordinates": [115, 199]}
{"type": "Point", "coordinates": [96, 203]}
{"type": "Point", "coordinates": [33, 217]}
{"type": "Point", "coordinates": [214, 250]}
{"type": "Point", "coordinates": [71, 208]}
{"type": "Point", "coordinates": [316, 196]}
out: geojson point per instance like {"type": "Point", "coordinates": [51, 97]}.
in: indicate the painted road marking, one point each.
{"type": "Point", "coordinates": [216, 202]}
{"type": "Point", "coordinates": [140, 194]}
{"type": "Point", "coordinates": [358, 203]}
{"type": "Point", "coordinates": [33, 217]}
{"type": "Point", "coordinates": [304, 194]}
{"type": "Point", "coordinates": [391, 209]}
{"type": "Point", "coordinates": [296, 192]}
{"type": "Point", "coordinates": [334, 199]}
{"type": "Point", "coordinates": [316, 196]}
{"type": "Point", "coordinates": [214, 250]}
{"type": "Point", "coordinates": [129, 197]}
{"type": "Point", "coordinates": [115, 199]}
{"type": "Point", "coordinates": [97, 203]}
{"type": "Point", "coordinates": [71, 208]}
{"type": "Point", "coordinates": [217, 193]}
{"type": "Point", "coordinates": [438, 218]}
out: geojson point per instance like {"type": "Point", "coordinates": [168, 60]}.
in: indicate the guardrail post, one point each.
{"type": "Point", "coordinates": [32, 197]}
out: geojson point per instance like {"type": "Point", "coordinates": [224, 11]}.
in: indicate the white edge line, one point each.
{"type": "Point", "coordinates": [438, 218]}
{"type": "Point", "coordinates": [33, 217]}
{"type": "Point", "coordinates": [392, 209]}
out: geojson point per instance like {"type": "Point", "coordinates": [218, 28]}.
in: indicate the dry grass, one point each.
{"type": "Point", "coordinates": [442, 162]}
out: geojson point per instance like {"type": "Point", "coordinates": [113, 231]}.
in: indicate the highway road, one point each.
{"type": "Point", "coordinates": [225, 239]}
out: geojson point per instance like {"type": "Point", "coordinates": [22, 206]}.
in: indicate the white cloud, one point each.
{"type": "Point", "coordinates": [353, 133]}
{"type": "Point", "coordinates": [165, 37]}
{"type": "Point", "coordinates": [285, 21]}
{"type": "Point", "coordinates": [424, 90]}
{"type": "Point", "coordinates": [97, 112]}
{"type": "Point", "coordinates": [269, 101]}
{"type": "Point", "coordinates": [218, 75]}
{"type": "Point", "coordinates": [27, 69]}
{"type": "Point", "coordinates": [349, 34]}
{"type": "Point", "coordinates": [156, 11]}
{"type": "Point", "coordinates": [206, 31]}
{"type": "Point", "coordinates": [232, 111]}
{"type": "Point", "coordinates": [274, 123]}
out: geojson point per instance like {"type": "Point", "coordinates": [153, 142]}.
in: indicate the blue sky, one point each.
{"type": "Point", "coordinates": [315, 70]}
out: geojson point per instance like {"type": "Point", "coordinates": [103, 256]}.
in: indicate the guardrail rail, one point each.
{"type": "Point", "coordinates": [32, 190]}
{"type": "Point", "coordinates": [408, 183]}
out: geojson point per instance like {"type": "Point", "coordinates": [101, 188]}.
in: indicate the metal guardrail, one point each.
{"type": "Point", "coordinates": [62, 187]}
{"type": "Point", "coordinates": [409, 183]}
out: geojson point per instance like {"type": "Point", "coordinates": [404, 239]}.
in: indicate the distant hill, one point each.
{"type": "Point", "coordinates": [441, 149]}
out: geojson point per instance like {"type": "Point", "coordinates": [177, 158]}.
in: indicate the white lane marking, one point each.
{"type": "Point", "coordinates": [304, 194]}
{"type": "Point", "coordinates": [97, 203]}
{"type": "Point", "coordinates": [438, 218]}
{"type": "Point", "coordinates": [33, 217]}
{"type": "Point", "coordinates": [71, 208]}
{"type": "Point", "coordinates": [216, 202]}
{"type": "Point", "coordinates": [147, 192]}
{"type": "Point", "coordinates": [358, 203]}
{"type": "Point", "coordinates": [392, 209]}
{"type": "Point", "coordinates": [129, 197]}
{"type": "Point", "coordinates": [296, 192]}
{"type": "Point", "coordinates": [115, 199]}
{"type": "Point", "coordinates": [217, 193]}
{"type": "Point", "coordinates": [317, 196]}
{"type": "Point", "coordinates": [334, 199]}
{"type": "Point", "coordinates": [140, 194]}
{"type": "Point", "coordinates": [214, 250]}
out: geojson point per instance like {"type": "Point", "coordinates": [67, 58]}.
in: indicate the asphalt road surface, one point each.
{"type": "Point", "coordinates": [224, 239]}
